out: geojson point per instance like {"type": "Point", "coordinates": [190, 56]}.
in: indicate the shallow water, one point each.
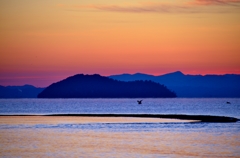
{"type": "Point", "coordinates": [122, 137]}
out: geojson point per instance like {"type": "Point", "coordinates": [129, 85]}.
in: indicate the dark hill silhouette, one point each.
{"type": "Point", "coordinates": [192, 85]}
{"type": "Point", "coordinates": [26, 91]}
{"type": "Point", "coordinates": [96, 86]}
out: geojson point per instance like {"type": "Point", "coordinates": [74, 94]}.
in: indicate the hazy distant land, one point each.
{"type": "Point", "coordinates": [218, 86]}
{"type": "Point", "coordinates": [199, 86]}
{"type": "Point", "coordinates": [26, 91]}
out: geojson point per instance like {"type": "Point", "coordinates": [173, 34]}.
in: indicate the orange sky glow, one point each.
{"type": "Point", "coordinates": [42, 42]}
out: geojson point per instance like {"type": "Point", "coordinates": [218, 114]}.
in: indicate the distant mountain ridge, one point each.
{"type": "Point", "coordinates": [96, 86]}
{"type": "Point", "coordinates": [227, 85]}
{"type": "Point", "coordinates": [192, 85]}
{"type": "Point", "coordinates": [26, 91]}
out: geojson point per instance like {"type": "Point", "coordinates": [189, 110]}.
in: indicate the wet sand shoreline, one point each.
{"type": "Point", "coordinates": [142, 117]}
{"type": "Point", "coordinates": [13, 120]}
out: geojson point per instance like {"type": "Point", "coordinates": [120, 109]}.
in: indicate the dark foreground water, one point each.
{"type": "Point", "coordinates": [120, 139]}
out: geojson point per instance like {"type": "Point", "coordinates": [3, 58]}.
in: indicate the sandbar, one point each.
{"type": "Point", "coordinates": [80, 120]}
{"type": "Point", "coordinates": [110, 118]}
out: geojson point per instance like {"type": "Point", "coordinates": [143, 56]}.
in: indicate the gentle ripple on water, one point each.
{"type": "Point", "coordinates": [44, 142]}
{"type": "Point", "coordinates": [202, 106]}
{"type": "Point", "coordinates": [100, 139]}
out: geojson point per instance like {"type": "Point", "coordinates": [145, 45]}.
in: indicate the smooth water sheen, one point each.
{"type": "Point", "coordinates": [122, 106]}
{"type": "Point", "coordinates": [98, 138]}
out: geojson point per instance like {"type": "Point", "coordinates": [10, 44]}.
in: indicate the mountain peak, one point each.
{"type": "Point", "coordinates": [176, 73]}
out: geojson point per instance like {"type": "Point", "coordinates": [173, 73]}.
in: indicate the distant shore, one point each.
{"type": "Point", "coordinates": [200, 118]}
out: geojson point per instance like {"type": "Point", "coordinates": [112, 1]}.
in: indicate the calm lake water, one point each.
{"type": "Point", "coordinates": [150, 106]}
{"type": "Point", "coordinates": [114, 139]}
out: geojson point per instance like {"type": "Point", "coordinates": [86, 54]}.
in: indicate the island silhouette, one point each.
{"type": "Point", "coordinates": [185, 86]}
{"type": "Point", "coordinates": [96, 86]}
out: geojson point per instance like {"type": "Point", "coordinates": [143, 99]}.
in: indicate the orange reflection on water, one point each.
{"type": "Point", "coordinates": [61, 143]}
{"type": "Point", "coordinates": [58, 142]}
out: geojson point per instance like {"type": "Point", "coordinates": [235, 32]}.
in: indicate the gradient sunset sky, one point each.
{"type": "Point", "coordinates": [44, 41]}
